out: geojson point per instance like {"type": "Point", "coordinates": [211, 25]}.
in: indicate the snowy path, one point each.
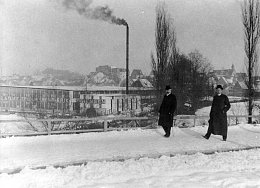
{"type": "Point", "coordinates": [18, 152]}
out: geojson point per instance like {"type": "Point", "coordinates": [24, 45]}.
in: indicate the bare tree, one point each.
{"type": "Point", "coordinates": [165, 47]}
{"type": "Point", "coordinates": [251, 24]}
{"type": "Point", "coordinates": [200, 74]}
{"type": "Point", "coordinates": [178, 70]}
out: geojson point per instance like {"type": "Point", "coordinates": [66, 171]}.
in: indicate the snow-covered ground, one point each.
{"type": "Point", "coordinates": [134, 158]}
{"type": "Point", "coordinates": [231, 169]}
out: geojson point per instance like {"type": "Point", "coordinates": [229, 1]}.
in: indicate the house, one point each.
{"type": "Point", "coordinates": [141, 83]}
{"type": "Point", "coordinates": [136, 73]}
{"type": "Point", "coordinates": [123, 82]}
{"type": "Point", "coordinates": [222, 81]}
{"type": "Point", "coordinates": [227, 77]}
{"type": "Point", "coordinates": [241, 76]}
{"type": "Point", "coordinates": [117, 71]}
{"type": "Point", "coordinates": [239, 89]}
{"type": "Point", "coordinates": [106, 69]}
{"type": "Point", "coordinates": [230, 73]}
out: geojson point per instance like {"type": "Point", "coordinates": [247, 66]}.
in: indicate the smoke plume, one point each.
{"type": "Point", "coordinates": [97, 13]}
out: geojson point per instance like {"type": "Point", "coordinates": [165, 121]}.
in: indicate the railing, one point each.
{"type": "Point", "coordinates": [49, 125]}
{"type": "Point", "coordinates": [178, 121]}
{"type": "Point", "coordinates": [194, 118]}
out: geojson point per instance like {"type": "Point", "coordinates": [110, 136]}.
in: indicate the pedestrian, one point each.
{"type": "Point", "coordinates": [218, 115]}
{"type": "Point", "coordinates": [167, 110]}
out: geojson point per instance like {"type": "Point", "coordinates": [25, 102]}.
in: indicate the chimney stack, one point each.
{"type": "Point", "coordinates": [127, 57]}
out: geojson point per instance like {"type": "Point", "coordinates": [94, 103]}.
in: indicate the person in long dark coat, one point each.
{"type": "Point", "coordinates": [167, 110]}
{"type": "Point", "coordinates": [218, 115]}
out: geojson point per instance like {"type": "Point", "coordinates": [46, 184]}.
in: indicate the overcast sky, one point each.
{"type": "Point", "coordinates": [36, 34]}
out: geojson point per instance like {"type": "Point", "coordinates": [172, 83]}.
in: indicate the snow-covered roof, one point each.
{"type": "Point", "coordinates": [80, 88]}
{"type": "Point", "coordinates": [229, 80]}
{"type": "Point", "coordinates": [222, 80]}
{"type": "Point", "coordinates": [143, 83]}
{"type": "Point", "coordinates": [224, 72]}
{"type": "Point", "coordinates": [243, 85]}
{"type": "Point", "coordinates": [70, 88]}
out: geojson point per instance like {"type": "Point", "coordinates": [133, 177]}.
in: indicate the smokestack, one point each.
{"type": "Point", "coordinates": [127, 57]}
{"type": "Point", "coordinates": [102, 13]}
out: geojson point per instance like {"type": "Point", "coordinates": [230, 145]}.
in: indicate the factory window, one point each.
{"type": "Point", "coordinates": [76, 94]}
{"type": "Point", "coordinates": [117, 102]}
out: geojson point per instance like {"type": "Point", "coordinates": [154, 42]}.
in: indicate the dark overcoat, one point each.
{"type": "Point", "coordinates": [218, 115]}
{"type": "Point", "coordinates": [167, 110]}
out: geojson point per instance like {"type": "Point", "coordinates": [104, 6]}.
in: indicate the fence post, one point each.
{"type": "Point", "coordinates": [194, 121]}
{"type": "Point", "coordinates": [229, 120]}
{"type": "Point", "coordinates": [49, 127]}
{"type": "Point", "coordinates": [105, 125]}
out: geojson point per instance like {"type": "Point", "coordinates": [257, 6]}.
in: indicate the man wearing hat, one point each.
{"type": "Point", "coordinates": [218, 115]}
{"type": "Point", "coordinates": [167, 110]}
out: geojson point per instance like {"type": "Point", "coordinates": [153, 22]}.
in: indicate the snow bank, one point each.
{"type": "Point", "coordinates": [230, 169]}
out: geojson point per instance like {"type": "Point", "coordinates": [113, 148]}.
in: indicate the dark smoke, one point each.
{"type": "Point", "coordinates": [97, 13]}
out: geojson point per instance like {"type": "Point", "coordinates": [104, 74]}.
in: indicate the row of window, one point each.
{"type": "Point", "coordinates": [124, 104]}
{"type": "Point", "coordinates": [2, 98]}
{"type": "Point", "coordinates": [34, 106]}
{"type": "Point", "coordinates": [42, 99]}
{"type": "Point", "coordinates": [33, 96]}
{"type": "Point", "coordinates": [27, 92]}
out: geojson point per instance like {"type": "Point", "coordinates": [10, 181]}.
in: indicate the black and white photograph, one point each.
{"type": "Point", "coordinates": [129, 93]}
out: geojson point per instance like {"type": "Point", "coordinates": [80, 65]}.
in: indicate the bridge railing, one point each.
{"type": "Point", "coordinates": [195, 120]}
{"type": "Point", "coordinates": [111, 123]}
{"type": "Point", "coordinates": [77, 125]}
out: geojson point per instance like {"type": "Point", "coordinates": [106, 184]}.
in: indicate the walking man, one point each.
{"type": "Point", "coordinates": [167, 110]}
{"type": "Point", "coordinates": [218, 115]}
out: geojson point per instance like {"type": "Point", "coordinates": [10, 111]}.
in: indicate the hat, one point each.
{"type": "Point", "coordinates": [167, 87]}
{"type": "Point", "coordinates": [219, 86]}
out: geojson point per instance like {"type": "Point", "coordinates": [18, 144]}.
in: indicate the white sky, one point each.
{"type": "Point", "coordinates": [36, 34]}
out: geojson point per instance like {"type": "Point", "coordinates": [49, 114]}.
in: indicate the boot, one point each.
{"type": "Point", "coordinates": [165, 130]}
{"type": "Point", "coordinates": [168, 132]}
{"type": "Point", "coordinates": [206, 136]}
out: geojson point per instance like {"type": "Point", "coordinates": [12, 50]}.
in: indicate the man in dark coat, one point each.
{"type": "Point", "coordinates": [218, 115]}
{"type": "Point", "coordinates": [167, 110]}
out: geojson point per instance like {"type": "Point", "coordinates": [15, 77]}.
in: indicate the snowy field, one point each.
{"type": "Point", "coordinates": [134, 158]}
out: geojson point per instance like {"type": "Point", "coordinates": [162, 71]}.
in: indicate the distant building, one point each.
{"type": "Point", "coordinates": [239, 89]}
{"type": "Point", "coordinates": [123, 82]}
{"type": "Point", "coordinates": [110, 103]}
{"type": "Point", "coordinates": [73, 100]}
{"type": "Point", "coordinates": [117, 71]}
{"type": "Point", "coordinates": [141, 83]}
{"type": "Point", "coordinates": [36, 99]}
{"type": "Point", "coordinates": [233, 82]}
{"type": "Point", "coordinates": [106, 69]}
{"type": "Point", "coordinates": [225, 72]}
{"type": "Point", "coordinates": [136, 73]}
{"type": "Point", "coordinates": [241, 76]}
